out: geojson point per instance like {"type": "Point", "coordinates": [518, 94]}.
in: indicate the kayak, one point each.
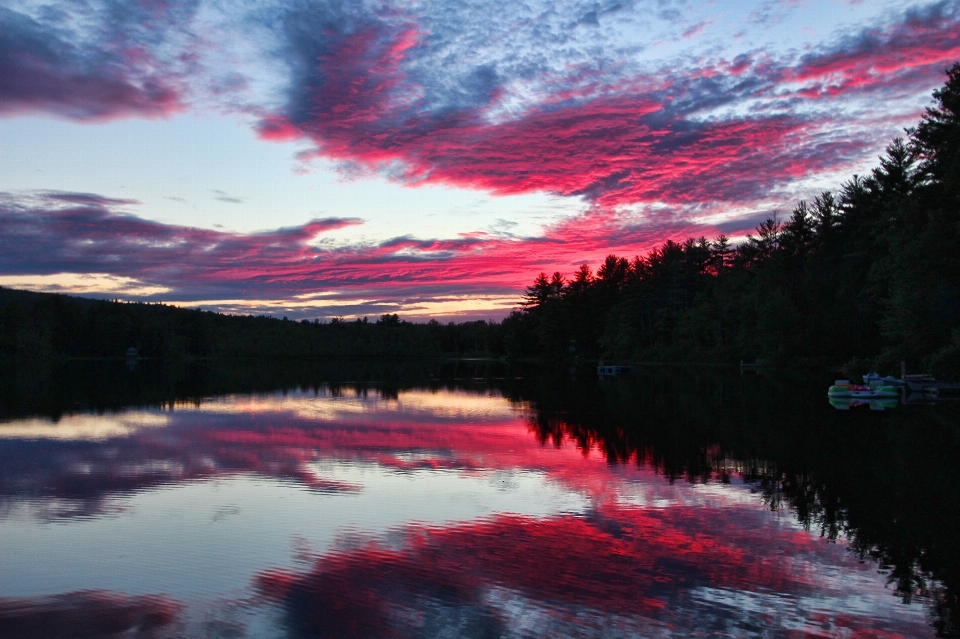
{"type": "Point", "coordinates": [842, 388]}
{"type": "Point", "coordinates": [846, 403]}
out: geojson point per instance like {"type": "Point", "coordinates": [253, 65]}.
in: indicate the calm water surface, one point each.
{"type": "Point", "coordinates": [450, 511]}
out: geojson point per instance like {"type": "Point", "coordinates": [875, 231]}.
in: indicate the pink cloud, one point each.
{"type": "Point", "coordinates": [621, 148]}
{"type": "Point", "coordinates": [908, 55]}
{"type": "Point", "coordinates": [85, 233]}
{"type": "Point", "coordinates": [618, 142]}
{"type": "Point", "coordinates": [277, 129]}
{"type": "Point", "coordinates": [636, 140]}
{"type": "Point", "coordinates": [695, 30]}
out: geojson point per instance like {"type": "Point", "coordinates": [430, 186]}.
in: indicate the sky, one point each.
{"type": "Point", "coordinates": [320, 159]}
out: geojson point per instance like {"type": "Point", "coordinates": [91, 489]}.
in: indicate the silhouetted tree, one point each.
{"type": "Point", "coordinates": [867, 275]}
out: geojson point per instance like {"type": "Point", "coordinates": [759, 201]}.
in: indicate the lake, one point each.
{"type": "Point", "coordinates": [469, 499]}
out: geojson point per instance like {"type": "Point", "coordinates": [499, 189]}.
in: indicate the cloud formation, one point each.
{"type": "Point", "coordinates": [635, 108]}
{"type": "Point", "coordinates": [47, 234]}
{"type": "Point", "coordinates": [658, 136]}
{"type": "Point", "coordinates": [903, 56]}
{"type": "Point", "coordinates": [103, 70]}
{"type": "Point", "coordinates": [517, 100]}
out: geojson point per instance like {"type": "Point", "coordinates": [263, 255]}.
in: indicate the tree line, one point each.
{"type": "Point", "coordinates": [43, 326]}
{"type": "Point", "coordinates": [867, 275]}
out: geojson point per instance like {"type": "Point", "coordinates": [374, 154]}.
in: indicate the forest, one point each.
{"type": "Point", "coordinates": [864, 277]}
{"type": "Point", "coordinates": [45, 326]}
{"type": "Point", "coordinates": [867, 276]}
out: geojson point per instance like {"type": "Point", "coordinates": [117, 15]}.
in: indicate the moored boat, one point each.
{"type": "Point", "coordinates": [874, 379]}
{"type": "Point", "coordinates": [846, 403]}
{"type": "Point", "coordinates": [842, 388]}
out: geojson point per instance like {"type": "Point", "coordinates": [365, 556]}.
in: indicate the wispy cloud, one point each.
{"type": "Point", "coordinates": [222, 196]}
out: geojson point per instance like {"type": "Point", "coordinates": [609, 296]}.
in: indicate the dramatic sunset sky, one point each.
{"type": "Point", "coordinates": [316, 158]}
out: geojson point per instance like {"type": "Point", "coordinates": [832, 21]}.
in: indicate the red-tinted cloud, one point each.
{"type": "Point", "coordinates": [622, 148]}
{"type": "Point", "coordinates": [364, 87]}
{"type": "Point", "coordinates": [631, 141]}
{"type": "Point", "coordinates": [277, 129]}
{"type": "Point", "coordinates": [735, 132]}
{"type": "Point", "coordinates": [65, 232]}
{"type": "Point", "coordinates": [905, 55]}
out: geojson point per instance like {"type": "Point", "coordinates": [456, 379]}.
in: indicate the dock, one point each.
{"type": "Point", "coordinates": [604, 370]}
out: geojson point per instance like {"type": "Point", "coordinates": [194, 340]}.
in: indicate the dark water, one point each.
{"type": "Point", "coordinates": [469, 499]}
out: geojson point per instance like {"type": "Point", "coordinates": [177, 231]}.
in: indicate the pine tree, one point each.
{"type": "Point", "coordinates": [935, 142]}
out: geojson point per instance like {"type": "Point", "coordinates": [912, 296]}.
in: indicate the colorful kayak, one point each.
{"type": "Point", "coordinates": [846, 403]}
{"type": "Point", "coordinates": [842, 388]}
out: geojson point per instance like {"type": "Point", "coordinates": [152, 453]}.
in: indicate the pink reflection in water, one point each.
{"type": "Point", "coordinates": [626, 571]}
{"type": "Point", "coordinates": [645, 558]}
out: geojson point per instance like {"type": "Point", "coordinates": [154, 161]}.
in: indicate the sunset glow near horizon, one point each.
{"type": "Point", "coordinates": [322, 159]}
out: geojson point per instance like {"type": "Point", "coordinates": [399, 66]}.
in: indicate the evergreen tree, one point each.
{"type": "Point", "coordinates": [935, 142]}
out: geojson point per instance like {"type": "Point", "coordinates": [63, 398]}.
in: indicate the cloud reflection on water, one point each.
{"type": "Point", "coordinates": [81, 427]}
{"type": "Point", "coordinates": [614, 571]}
{"type": "Point", "coordinates": [91, 613]}
{"type": "Point", "coordinates": [636, 555]}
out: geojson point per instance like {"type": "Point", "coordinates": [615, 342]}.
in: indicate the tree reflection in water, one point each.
{"type": "Point", "coordinates": [887, 484]}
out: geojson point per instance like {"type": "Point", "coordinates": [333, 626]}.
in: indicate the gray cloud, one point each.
{"type": "Point", "coordinates": [90, 61]}
{"type": "Point", "coordinates": [226, 197]}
